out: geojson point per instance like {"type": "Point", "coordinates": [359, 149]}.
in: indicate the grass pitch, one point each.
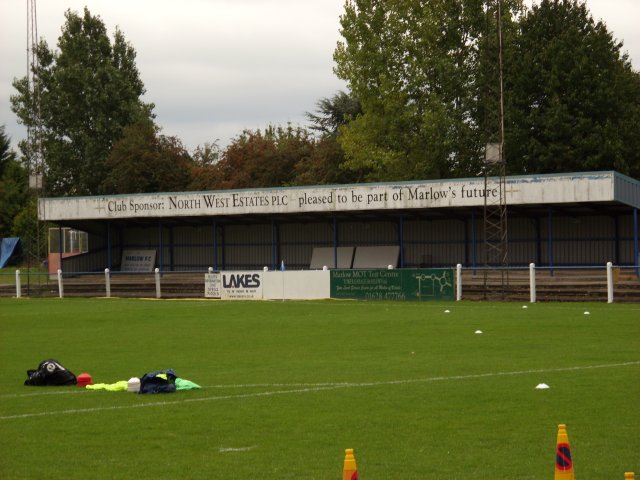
{"type": "Point", "coordinates": [287, 386]}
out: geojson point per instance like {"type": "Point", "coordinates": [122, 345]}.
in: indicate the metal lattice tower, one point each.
{"type": "Point", "coordinates": [495, 204]}
{"type": "Point", "coordinates": [34, 135]}
{"type": "Point", "coordinates": [34, 128]}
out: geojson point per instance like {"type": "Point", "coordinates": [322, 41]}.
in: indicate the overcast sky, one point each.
{"type": "Point", "coordinates": [216, 67]}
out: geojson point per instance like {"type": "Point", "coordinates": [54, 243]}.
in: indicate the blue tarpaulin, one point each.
{"type": "Point", "coordinates": [8, 246]}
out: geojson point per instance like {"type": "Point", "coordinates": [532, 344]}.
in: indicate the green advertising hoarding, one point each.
{"type": "Point", "coordinates": [401, 284]}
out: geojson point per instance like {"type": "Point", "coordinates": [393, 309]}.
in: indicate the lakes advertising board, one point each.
{"type": "Point", "coordinates": [241, 285]}
{"type": "Point", "coordinates": [584, 187]}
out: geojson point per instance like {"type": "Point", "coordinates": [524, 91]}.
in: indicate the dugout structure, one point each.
{"type": "Point", "coordinates": [574, 219]}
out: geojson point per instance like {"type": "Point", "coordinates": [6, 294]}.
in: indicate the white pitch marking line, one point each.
{"type": "Point", "coordinates": [317, 389]}
{"type": "Point", "coordinates": [271, 385]}
{"type": "Point", "coordinates": [239, 449]}
{"type": "Point", "coordinates": [66, 391]}
{"type": "Point", "coordinates": [76, 391]}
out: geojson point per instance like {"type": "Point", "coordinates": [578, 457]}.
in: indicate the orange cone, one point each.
{"type": "Point", "coordinates": [629, 476]}
{"type": "Point", "coordinates": [564, 463]}
{"type": "Point", "coordinates": [350, 471]}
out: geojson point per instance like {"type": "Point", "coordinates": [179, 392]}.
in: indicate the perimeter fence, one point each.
{"type": "Point", "coordinates": [606, 283]}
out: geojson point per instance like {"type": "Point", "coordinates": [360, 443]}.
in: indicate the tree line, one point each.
{"type": "Point", "coordinates": [421, 81]}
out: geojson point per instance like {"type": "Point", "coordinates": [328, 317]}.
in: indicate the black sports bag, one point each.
{"type": "Point", "coordinates": [50, 372]}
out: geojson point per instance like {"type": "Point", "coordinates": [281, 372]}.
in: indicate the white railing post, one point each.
{"type": "Point", "coordinates": [609, 283]}
{"type": "Point", "coordinates": [532, 282]}
{"type": "Point", "coordinates": [18, 285]}
{"type": "Point", "coordinates": [60, 284]}
{"type": "Point", "coordinates": [458, 282]}
{"type": "Point", "coordinates": [107, 282]}
{"type": "Point", "coordinates": [158, 292]}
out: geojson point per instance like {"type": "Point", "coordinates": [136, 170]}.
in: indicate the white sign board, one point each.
{"type": "Point", "coordinates": [470, 192]}
{"type": "Point", "coordinates": [138, 260]}
{"type": "Point", "coordinates": [212, 282]}
{"type": "Point", "coordinates": [241, 285]}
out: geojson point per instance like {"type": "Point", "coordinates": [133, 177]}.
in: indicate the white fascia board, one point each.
{"type": "Point", "coordinates": [520, 190]}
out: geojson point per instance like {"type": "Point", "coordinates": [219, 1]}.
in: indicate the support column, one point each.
{"type": "Point", "coordinates": [550, 239]}
{"type": "Point", "coordinates": [224, 247]}
{"type": "Point", "coordinates": [60, 246]}
{"type": "Point", "coordinates": [171, 250]}
{"type": "Point", "coordinates": [616, 246]}
{"type": "Point", "coordinates": [109, 259]}
{"type": "Point", "coordinates": [474, 243]}
{"type": "Point", "coordinates": [401, 239]}
{"type": "Point", "coordinates": [274, 245]}
{"type": "Point", "coordinates": [215, 245]}
{"type": "Point", "coordinates": [335, 242]}
{"type": "Point", "coordinates": [466, 243]}
{"type": "Point", "coordinates": [160, 246]}
{"type": "Point", "coordinates": [536, 226]}
{"type": "Point", "coordinates": [636, 253]}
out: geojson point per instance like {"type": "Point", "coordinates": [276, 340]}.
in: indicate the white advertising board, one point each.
{"type": "Point", "coordinates": [296, 285]}
{"type": "Point", "coordinates": [212, 282]}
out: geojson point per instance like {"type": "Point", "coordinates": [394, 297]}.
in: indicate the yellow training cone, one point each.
{"type": "Point", "coordinates": [629, 476]}
{"type": "Point", "coordinates": [564, 464]}
{"type": "Point", "coordinates": [350, 471]}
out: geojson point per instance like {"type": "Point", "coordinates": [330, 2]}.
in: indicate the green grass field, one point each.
{"type": "Point", "coordinates": [287, 386]}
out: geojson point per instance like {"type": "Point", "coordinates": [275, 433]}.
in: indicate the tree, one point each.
{"type": "Point", "coordinates": [13, 187]}
{"type": "Point", "coordinates": [257, 159]}
{"type": "Point", "coordinates": [88, 92]}
{"type": "Point", "coordinates": [574, 100]}
{"type": "Point", "coordinates": [415, 67]}
{"type": "Point", "coordinates": [425, 74]}
{"type": "Point", "coordinates": [207, 154]}
{"type": "Point", "coordinates": [6, 154]}
{"type": "Point", "coordinates": [143, 161]}
{"type": "Point", "coordinates": [334, 112]}
{"type": "Point", "coordinates": [324, 165]}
